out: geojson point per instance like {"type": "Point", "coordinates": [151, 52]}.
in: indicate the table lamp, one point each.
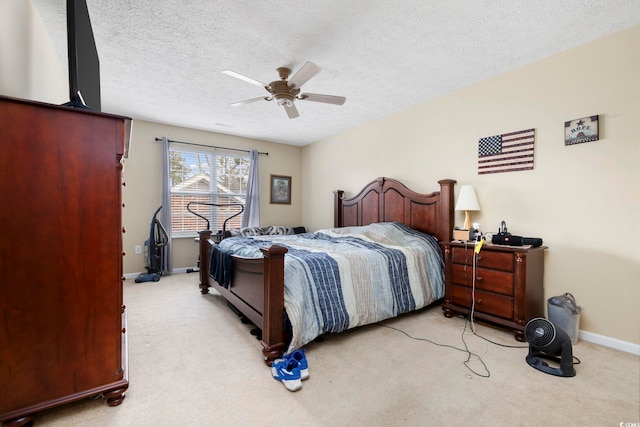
{"type": "Point", "coordinates": [467, 201]}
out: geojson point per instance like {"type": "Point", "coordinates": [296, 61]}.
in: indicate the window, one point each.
{"type": "Point", "coordinates": [202, 176]}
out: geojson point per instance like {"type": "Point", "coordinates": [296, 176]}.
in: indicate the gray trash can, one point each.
{"type": "Point", "coordinates": [564, 313]}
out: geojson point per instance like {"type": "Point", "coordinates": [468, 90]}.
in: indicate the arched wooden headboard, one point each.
{"type": "Point", "coordinates": [388, 200]}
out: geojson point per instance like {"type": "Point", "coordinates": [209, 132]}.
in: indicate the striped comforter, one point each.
{"type": "Point", "coordinates": [340, 278]}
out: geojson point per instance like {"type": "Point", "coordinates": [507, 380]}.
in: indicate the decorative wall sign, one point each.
{"type": "Point", "coordinates": [281, 189]}
{"type": "Point", "coordinates": [581, 130]}
{"type": "Point", "coordinates": [507, 152]}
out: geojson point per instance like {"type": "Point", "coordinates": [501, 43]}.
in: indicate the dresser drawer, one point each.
{"type": "Point", "coordinates": [489, 280]}
{"type": "Point", "coordinates": [508, 284]}
{"type": "Point", "coordinates": [489, 259]}
{"type": "Point", "coordinates": [493, 304]}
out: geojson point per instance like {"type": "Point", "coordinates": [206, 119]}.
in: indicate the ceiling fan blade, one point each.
{"type": "Point", "coordinates": [249, 101]}
{"type": "Point", "coordinates": [308, 70]}
{"type": "Point", "coordinates": [291, 110]}
{"type": "Point", "coordinates": [244, 78]}
{"type": "Point", "coordinates": [327, 99]}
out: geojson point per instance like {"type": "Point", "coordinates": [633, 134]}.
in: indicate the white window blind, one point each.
{"type": "Point", "coordinates": [198, 175]}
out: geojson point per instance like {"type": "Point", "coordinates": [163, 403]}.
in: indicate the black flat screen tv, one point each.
{"type": "Point", "coordinates": [84, 64]}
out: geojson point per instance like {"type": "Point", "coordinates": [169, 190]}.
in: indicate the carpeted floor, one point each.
{"type": "Point", "coordinates": [193, 363]}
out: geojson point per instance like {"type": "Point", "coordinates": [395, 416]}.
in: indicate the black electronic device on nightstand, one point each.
{"type": "Point", "coordinates": [505, 238]}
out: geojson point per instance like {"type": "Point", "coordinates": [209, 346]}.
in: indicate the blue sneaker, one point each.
{"type": "Point", "coordinates": [298, 356]}
{"type": "Point", "coordinates": [287, 372]}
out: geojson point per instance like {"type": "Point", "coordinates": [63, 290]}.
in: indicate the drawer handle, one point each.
{"type": "Point", "coordinates": [479, 257]}
{"type": "Point", "coordinates": [479, 301]}
{"type": "Point", "coordinates": [478, 278]}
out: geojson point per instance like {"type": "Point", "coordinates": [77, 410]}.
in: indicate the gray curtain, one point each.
{"type": "Point", "coordinates": [165, 213]}
{"type": "Point", "coordinates": [251, 217]}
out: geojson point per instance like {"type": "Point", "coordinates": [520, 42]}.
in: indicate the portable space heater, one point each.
{"type": "Point", "coordinates": [154, 250]}
{"type": "Point", "coordinates": [548, 342]}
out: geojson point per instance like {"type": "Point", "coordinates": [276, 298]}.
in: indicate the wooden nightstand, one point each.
{"type": "Point", "coordinates": [508, 283]}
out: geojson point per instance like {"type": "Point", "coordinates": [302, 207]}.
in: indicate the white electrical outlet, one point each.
{"type": "Point", "coordinates": [138, 249]}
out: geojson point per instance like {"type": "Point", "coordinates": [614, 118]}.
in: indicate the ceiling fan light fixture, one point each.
{"type": "Point", "coordinates": [284, 102]}
{"type": "Point", "coordinates": [284, 92]}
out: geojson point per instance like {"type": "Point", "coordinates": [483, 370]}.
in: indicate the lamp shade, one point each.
{"type": "Point", "coordinates": [467, 200]}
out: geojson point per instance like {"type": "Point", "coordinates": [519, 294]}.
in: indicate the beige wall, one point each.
{"type": "Point", "coordinates": [29, 67]}
{"type": "Point", "coordinates": [583, 200]}
{"type": "Point", "coordinates": [143, 191]}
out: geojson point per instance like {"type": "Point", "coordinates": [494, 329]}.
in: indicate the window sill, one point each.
{"type": "Point", "coordinates": [185, 236]}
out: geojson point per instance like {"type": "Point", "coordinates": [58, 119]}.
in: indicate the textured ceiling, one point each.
{"type": "Point", "coordinates": [162, 60]}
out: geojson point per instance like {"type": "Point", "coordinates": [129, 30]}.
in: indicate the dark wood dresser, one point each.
{"type": "Point", "coordinates": [508, 284]}
{"type": "Point", "coordinates": [62, 318]}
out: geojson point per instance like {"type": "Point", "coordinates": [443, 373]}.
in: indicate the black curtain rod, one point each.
{"type": "Point", "coordinates": [211, 146]}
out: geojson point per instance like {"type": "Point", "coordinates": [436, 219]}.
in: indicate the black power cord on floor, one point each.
{"type": "Point", "coordinates": [466, 350]}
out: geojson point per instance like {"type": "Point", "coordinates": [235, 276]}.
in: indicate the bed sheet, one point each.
{"type": "Point", "coordinates": [341, 278]}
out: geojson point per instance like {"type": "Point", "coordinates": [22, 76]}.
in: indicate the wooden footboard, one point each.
{"type": "Point", "coordinates": [257, 285]}
{"type": "Point", "coordinates": [253, 281]}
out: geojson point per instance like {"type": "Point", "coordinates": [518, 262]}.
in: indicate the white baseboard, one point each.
{"type": "Point", "coordinates": [610, 342]}
{"type": "Point", "coordinates": [175, 271]}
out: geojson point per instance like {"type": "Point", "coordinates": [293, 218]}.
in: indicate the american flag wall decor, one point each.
{"type": "Point", "coordinates": [507, 152]}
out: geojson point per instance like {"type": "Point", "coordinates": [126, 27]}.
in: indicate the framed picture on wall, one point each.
{"type": "Point", "coordinates": [281, 189]}
{"type": "Point", "coordinates": [581, 130]}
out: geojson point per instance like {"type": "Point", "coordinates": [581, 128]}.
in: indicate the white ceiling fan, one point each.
{"type": "Point", "coordinates": [285, 92]}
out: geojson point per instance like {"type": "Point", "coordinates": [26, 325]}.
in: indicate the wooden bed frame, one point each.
{"type": "Point", "coordinates": [257, 284]}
